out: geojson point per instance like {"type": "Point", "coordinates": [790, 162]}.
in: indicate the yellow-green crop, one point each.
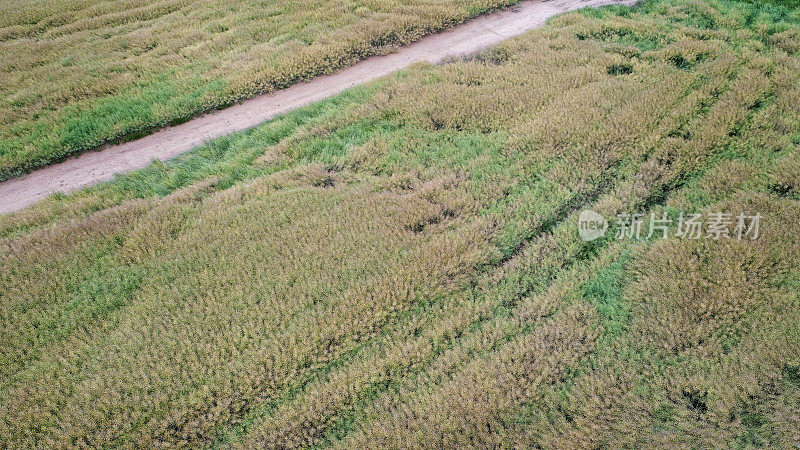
{"type": "Point", "coordinates": [400, 265]}
{"type": "Point", "coordinates": [76, 74]}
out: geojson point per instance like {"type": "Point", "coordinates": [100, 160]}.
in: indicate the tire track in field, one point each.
{"type": "Point", "coordinates": [338, 424]}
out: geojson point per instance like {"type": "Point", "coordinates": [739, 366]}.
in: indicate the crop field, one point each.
{"type": "Point", "coordinates": [77, 74]}
{"type": "Point", "coordinates": [400, 265]}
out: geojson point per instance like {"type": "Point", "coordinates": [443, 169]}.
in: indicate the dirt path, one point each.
{"type": "Point", "coordinates": [93, 167]}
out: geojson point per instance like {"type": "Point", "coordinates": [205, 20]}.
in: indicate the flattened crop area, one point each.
{"type": "Point", "coordinates": [400, 265]}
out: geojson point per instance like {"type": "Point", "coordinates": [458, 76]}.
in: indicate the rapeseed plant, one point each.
{"type": "Point", "coordinates": [77, 74]}
{"type": "Point", "coordinates": [401, 266]}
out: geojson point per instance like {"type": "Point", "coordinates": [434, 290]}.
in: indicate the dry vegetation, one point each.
{"type": "Point", "coordinates": [399, 266]}
{"type": "Point", "coordinates": [78, 73]}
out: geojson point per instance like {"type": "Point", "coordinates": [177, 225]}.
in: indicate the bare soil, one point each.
{"type": "Point", "coordinates": [93, 167]}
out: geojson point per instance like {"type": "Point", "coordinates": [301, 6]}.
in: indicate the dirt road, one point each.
{"type": "Point", "coordinates": [93, 167]}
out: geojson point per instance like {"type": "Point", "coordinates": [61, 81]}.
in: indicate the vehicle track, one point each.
{"type": "Point", "coordinates": [101, 165]}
